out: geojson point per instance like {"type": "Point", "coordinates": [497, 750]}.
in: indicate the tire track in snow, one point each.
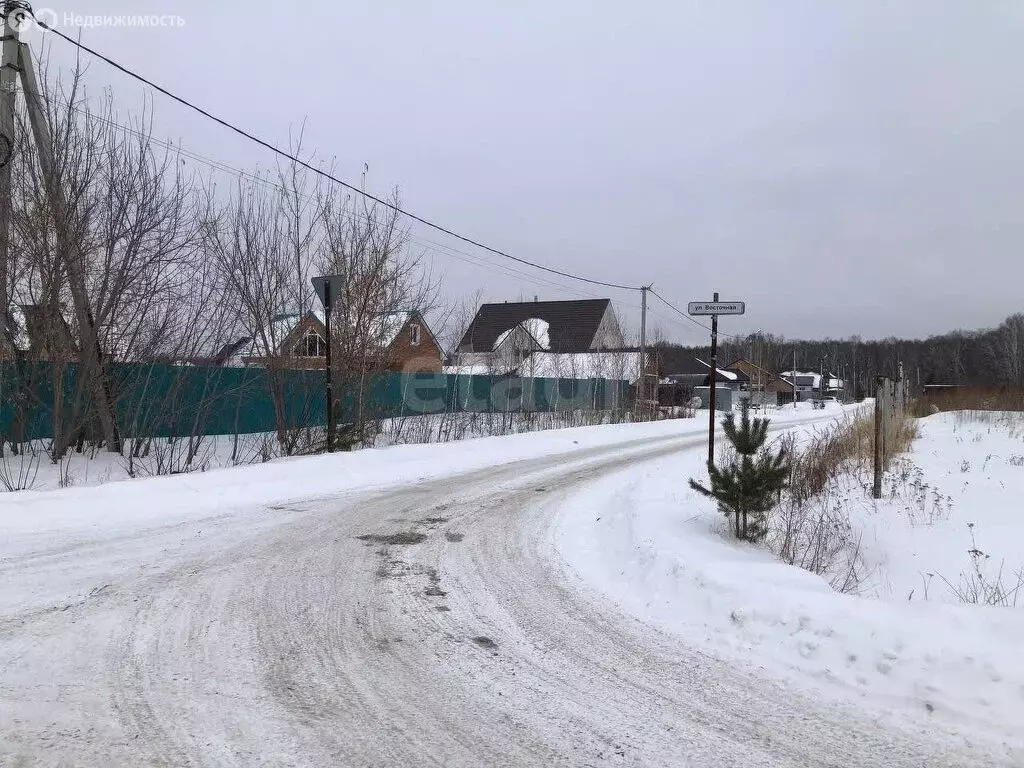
{"type": "Point", "coordinates": [303, 645]}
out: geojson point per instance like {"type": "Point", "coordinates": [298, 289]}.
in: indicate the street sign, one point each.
{"type": "Point", "coordinates": [337, 286]}
{"type": "Point", "coordinates": [716, 307]}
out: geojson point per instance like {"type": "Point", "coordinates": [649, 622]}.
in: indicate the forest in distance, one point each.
{"type": "Point", "coordinates": [991, 357]}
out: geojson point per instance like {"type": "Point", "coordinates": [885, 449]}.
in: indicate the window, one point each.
{"type": "Point", "coordinates": [414, 334]}
{"type": "Point", "coordinates": [311, 345]}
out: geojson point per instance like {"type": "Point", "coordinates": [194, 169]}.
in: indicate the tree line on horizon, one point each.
{"type": "Point", "coordinates": [992, 357]}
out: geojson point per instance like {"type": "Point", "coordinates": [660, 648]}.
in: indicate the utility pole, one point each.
{"type": "Point", "coordinates": [879, 445]}
{"type": "Point", "coordinates": [714, 378]}
{"type": "Point", "coordinates": [641, 399]}
{"type": "Point", "coordinates": [793, 377]}
{"type": "Point", "coordinates": [8, 86]}
{"type": "Point", "coordinates": [17, 55]}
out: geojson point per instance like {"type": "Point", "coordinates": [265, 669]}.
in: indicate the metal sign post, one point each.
{"type": "Point", "coordinates": [325, 286]}
{"type": "Point", "coordinates": [714, 308]}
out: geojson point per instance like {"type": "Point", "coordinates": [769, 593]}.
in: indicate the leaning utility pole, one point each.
{"type": "Point", "coordinates": [8, 85]}
{"type": "Point", "coordinates": [17, 61]}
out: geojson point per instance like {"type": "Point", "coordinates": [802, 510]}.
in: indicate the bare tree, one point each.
{"type": "Point", "coordinates": [367, 245]}
{"type": "Point", "coordinates": [1005, 348]}
{"type": "Point", "coordinates": [135, 219]}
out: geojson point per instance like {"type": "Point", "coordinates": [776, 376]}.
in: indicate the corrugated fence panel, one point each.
{"type": "Point", "coordinates": [159, 400]}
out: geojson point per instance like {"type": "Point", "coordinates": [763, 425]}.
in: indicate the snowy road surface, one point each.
{"type": "Point", "coordinates": [427, 623]}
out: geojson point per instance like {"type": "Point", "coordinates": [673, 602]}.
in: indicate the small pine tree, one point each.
{"type": "Point", "coordinates": [747, 488]}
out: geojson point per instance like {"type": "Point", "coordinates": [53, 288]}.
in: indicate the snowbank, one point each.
{"type": "Point", "coordinates": [163, 500]}
{"type": "Point", "coordinates": [652, 545]}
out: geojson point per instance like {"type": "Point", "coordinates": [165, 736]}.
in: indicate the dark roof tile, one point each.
{"type": "Point", "coordinates": [572, 325]}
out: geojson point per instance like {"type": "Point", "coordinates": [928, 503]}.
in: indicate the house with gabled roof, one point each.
{"type": "Point", "coordinates": [503, 335]}
{"type": "Point", "coordinates": [396, 341]}
{"type": "Point", "coordinates": [766, 388]}
{"type": "Point", "coordinates": [569, 326]}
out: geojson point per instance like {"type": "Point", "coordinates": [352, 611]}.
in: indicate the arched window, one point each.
{"type": "Point", "coordinates": [311, 345]}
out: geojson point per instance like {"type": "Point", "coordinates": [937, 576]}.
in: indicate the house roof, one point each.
{"type": "Point", "coordinates": [755, 366]}
{"type": "Point", "coordinates": [389, 325]}
{"type": "Point", "coordinates": [813, 380]}
{"type": "Point", "coordinates": [284, 324]}
{"type": "Point", "coordinates": [723, 374]}
{"type": "Point", "coordinates": [383, 332]}
{"type": "Point", "coordinates": [229, 352]}
{"type": "Point", "coordinates": [677, 361]}
{"type": "Point", "coordinates": [572, 325]}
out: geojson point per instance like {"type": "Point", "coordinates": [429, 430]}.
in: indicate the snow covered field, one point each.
{"type": "Point", "coordinates": [548, 598]}
{"type": "Point", "coordinates": [958, 490]}
{"type": "Point", "coordinates": [644, 539]}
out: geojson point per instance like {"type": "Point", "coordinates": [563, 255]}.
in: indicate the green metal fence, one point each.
{"type": "Point", "coordinates": [158, 400]}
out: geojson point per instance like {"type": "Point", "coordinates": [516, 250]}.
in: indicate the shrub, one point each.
{"type": "Point", "coordinates": [747, 486]}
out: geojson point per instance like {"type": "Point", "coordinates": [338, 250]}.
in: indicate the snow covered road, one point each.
{"type": "Point", "coordinates": [422, 622]}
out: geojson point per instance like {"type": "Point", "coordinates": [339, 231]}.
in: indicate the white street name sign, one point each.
{"type": "Point", "coordinates": [716, 307]}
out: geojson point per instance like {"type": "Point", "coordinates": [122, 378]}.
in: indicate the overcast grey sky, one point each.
{"type": "Point", "coordinates": [846, 167]}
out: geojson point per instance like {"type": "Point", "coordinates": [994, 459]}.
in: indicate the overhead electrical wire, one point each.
{"type": "Point", "coordinates": [320, 172]}
{"type": "Point", "coordinates": [430, 246]}
{"type": "Point", "coordinates": [682, 314]}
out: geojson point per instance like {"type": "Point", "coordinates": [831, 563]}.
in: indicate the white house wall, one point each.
{"type": "Point", "coordinates": [609, 334]}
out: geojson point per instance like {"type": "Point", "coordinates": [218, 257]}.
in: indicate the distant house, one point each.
{"type": "Point", "coordinates": [731, 386]}
{"type": "Point", "coordinates": [809, 385]}
{"type": "Point", "coordinates": [397, 341]}
{"type": "Point", "coordinates": [681, 375]}
{"type": "Point", "coordinates": [549, 339]}
{"type": "Point", "coordinates": [502, 335]}
{"type": "Point", "coordinates": [765, 387]}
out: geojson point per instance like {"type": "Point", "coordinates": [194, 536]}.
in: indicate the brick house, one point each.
{"type": "Point", "coordinates": [398, 341]}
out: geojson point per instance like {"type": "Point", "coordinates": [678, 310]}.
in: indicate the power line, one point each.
{"type": "Point", "coordinates": [429, 246]}
{"type": "Point", "coordinates": [682, 314]}
{"type": "Point", "coordinates": [276, 150]}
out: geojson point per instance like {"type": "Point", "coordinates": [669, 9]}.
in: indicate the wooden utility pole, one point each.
{"type": "Point", "coordinates": [642, 381]}
{"type": "Point", "coordinates": [17, 55]}
{"type": "Point", "coordinates": [879, 436]}
{"type": "Point", "coordinates": [8, 88]}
